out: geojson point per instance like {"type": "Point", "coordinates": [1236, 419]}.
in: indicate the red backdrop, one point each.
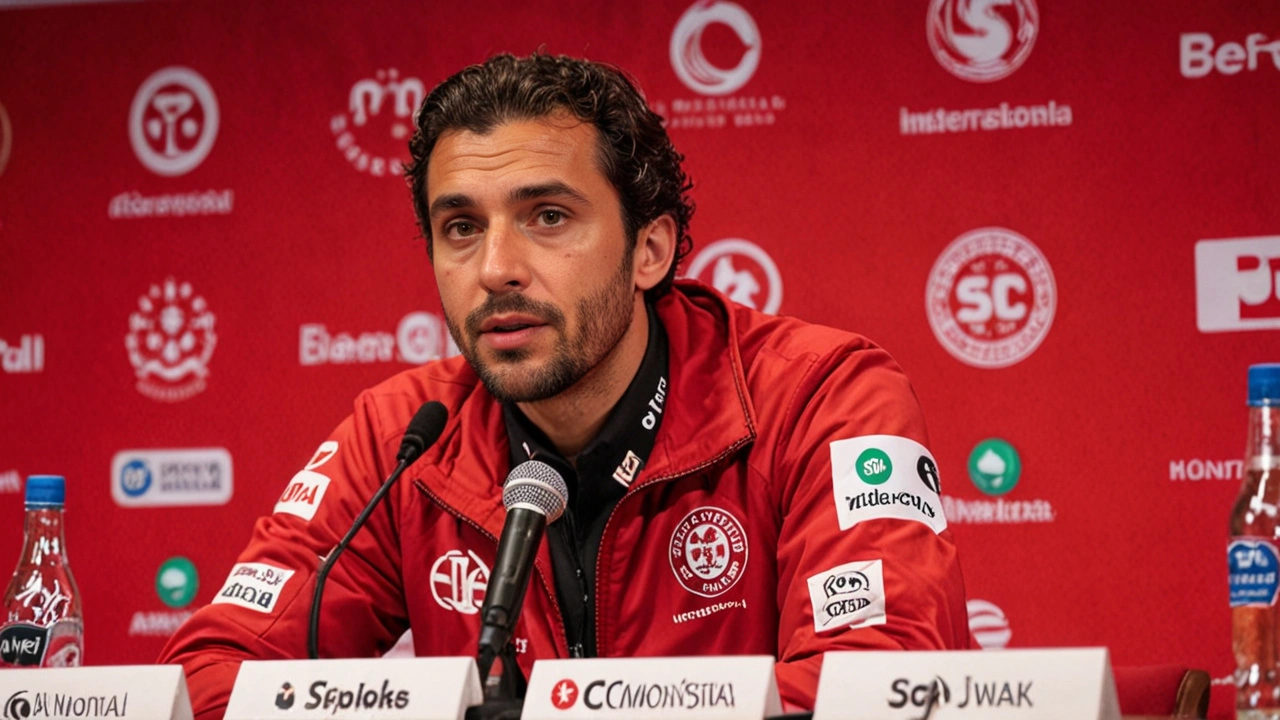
{"type": "Point", "coordinates": [1026, 203]}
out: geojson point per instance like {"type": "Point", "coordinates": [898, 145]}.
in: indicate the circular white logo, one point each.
{"type": "Point", "coordinates": [692, 65]}
{"type": "Point", "coordinates": [982, 40]}
{"type": "Point", "coordinates": [379, 118]}
{"type": "Point", "coordinates": [740, 269]}
{"type": "Point", "coordinates": [421, 337]}
{"type": "Point", "coordinates": [989, 625]}
{"type": "Point", "coordinates": [991, 298]}
{"type": "Point", "coordinates": [708, 551]}
{"type": "Point", "coordinates": [6, 138]}
{"type": "Point", "coordinates": [458, 581]}
{"type": "Point", "coordinates": [170, 341]}
{"type": "Point", "coordinates": [173, 121]}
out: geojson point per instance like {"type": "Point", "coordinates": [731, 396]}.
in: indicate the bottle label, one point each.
{"type": "Point", "coordinates": [23, 644]}
{"type": "Point", "coordinates": [1254, 567]}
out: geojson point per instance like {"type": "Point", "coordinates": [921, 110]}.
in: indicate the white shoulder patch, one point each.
{"type": "Point", "coordinates": [849, 595]}
{"type": "Point", "coordinates": [304, 492]}
{"type": "Point", "coordinates": [255, 586]}
{"type": "Point", "coordinates": [885, 476]}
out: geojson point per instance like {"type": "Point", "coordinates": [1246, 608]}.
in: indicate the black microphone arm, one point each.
{"type": "Point", "coordinates": [424, 429]}
{"type": "Point", "coordinates": [535, 495]}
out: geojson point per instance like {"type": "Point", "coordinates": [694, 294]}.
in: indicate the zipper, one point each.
{"type": "Point", "coordinates": [454, 512]}
{"type": "Point", "coordinates": [666, 478]}
{"type": "Point", "coordinates": [569, 535]}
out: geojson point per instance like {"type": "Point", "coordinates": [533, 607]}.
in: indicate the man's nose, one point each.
{"type": "Point", "coordinates": [504, 262]}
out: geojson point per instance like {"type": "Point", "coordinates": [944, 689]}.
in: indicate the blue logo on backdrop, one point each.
{"type": "Point", "coordinates": [135, 478]}
{"type": "Point", "coordinates": [1253, 578]}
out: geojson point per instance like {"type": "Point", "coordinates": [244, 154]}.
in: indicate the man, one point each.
{"type": "Point", "coordinates": [739, 483]}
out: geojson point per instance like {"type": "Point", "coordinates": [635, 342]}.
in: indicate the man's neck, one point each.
{"type": "Point", "coordinates": [573, 418]}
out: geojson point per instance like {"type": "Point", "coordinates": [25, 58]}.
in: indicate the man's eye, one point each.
{"type": "Point", "coordinates": [551, 217]}
{"type": "Point", "coordinates": [461, 229]}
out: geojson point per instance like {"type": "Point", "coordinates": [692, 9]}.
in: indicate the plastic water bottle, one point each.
{"type": "Point", "coordinates": [43, 627]}
{"type": "Point", "coordinates": [1252, 557]}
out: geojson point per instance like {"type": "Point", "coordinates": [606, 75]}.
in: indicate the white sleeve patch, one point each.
{"type": "Point", "coordinates": [255, 586]}
{"type": "Point", "coordinates": [885, 476]}
{"type": "Point", "coordinates": [849, 595]}
{"type": "Point", "coordinates": [304, 492]}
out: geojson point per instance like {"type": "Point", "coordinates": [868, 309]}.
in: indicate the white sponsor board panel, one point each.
{"type": "Point", "coordinates": [721, 687]}
{"type": "Point", "coordinates": [143, 692]}
{"type": "Point", "coordinates": [440, 688]}
{"type": "Point", "coordinates": [1014, 684]}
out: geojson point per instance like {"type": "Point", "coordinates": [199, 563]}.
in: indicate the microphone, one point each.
{"type": "Point", "coordinates": [424, 429]}
{"type": "Point", "coordinates": [535, 495]}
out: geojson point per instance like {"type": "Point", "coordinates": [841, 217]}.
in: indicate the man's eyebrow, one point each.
{"type": "Point", "coordinates": [547, 190]}
{"type": "Point", "coordinates": [450, 202]}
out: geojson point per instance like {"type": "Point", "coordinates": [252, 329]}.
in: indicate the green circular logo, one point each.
{"type": "Point", "coordinates": [177, 582]}
{"type": "Point", "coordinates": [874, 467]}
{"type": "Point", "coordinates": [994, 466]}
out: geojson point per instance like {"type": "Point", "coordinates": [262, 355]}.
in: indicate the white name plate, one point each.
{"type": "Point", "coordinates": [739, 686]}
{"type": "Point", "coordinates": [1015, 684]}
{"type": "Point", "coordinates": [439, 688]}
{"type": "Point", "coordinates": [157, 692]}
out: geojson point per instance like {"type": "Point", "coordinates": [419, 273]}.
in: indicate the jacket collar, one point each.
{"type": "Point", "coordinates": [708, 413]}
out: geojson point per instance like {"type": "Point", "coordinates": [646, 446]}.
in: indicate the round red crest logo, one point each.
{"type": "Point", "coordinates": [564, 694]}
{"type": "Point", "coordinates": [708, 551]}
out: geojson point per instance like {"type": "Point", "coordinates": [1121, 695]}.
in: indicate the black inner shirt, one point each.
{"type": "Point", "coordinates": [597, 480]}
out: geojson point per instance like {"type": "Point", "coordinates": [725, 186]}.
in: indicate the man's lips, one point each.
{"type": "Point", "coordinates": [509, 323]}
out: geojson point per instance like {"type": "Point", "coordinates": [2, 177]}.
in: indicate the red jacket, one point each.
{"type": "Point", "coordinates": [789, 507]}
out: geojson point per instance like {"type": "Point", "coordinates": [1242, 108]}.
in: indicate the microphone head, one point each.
{"type": "Point", "coordinates": [537, 486]}
{"type": "Point", "coordinates": [424, 429]}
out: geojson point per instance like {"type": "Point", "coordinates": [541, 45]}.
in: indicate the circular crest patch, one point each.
{"type": "Point", "coordinates": [708, 551]}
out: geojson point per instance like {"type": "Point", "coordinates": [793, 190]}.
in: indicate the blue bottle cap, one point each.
{"type": "Point", "coordinates": [46, 490]}
{"type": "Point", "coordinates": [1264, 384]}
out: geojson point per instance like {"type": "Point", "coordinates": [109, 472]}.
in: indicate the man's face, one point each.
{"type": "Point", "coordinates": [530, 254]}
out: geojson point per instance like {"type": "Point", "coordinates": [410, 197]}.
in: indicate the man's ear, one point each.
{"type": "Point", "coordinates": [655, 251]}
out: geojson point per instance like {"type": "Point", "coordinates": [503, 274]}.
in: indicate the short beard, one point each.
{"type": "Point", "coordinates": [604, 317]}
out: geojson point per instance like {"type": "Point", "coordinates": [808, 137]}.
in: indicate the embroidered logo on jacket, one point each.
{"type": "Point", "coordinates": [708, 551]}
{"type": "Point", "coordinates": [458, 581]}
{"type": "Point", "coordinates": [255, 586]}
{"type": "Point", "coordinates": [849, 595]}
{"type": "Point", "coordinates": [305, 491]}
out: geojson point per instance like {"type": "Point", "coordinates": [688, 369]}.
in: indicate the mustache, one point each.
{"type": "Point", "coordinates": [513, 303]}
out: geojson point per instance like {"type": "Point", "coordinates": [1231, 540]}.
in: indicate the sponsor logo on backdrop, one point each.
{"type": "Point", "coordinates": [1200, 54]}
{"type": "Point", "coordinates": [708, 551]}
{"type": "Point", "coordinates": [881, 476]}
{"type": "Point", "coordinates": [983, 41]}
{"type": "Point", "coordinates": [24, 356]}
{"type": "Point", "coordinates": [726, 32]}
{"type": "Point", "coordinates": [1238, 284]}
{"type": "Point", "coordinates": [176, 585]}
{"type": "Point", "coordinates": [991, 298]}
{"type": "Point", "coordinates": [988, 624]}
{"type": "Point", "coordinates": [741, 270]}
{"type": "Point", "coordinates": [1197, 469]}
{"type": "Point", "coordinates": [617, 694]}
{"type": "Point", "coordinates": [849, 595]}
{"type": "Point", "coordinates": [458, 581]}
{"type": "Point", "coordinates": [995, 467]}
{"type": "Point", "coordinates": [419, 338]}
{"type": "Point", "coordinates": [255, 586]}
{"type": "Point", "coordinates": [25, 704]}
{"type": "Point", "coordinates": [170, 341]}
{"type": "Point", "coordinates": [305, 491]}
{"type": "Point", "coordinates": [6, 138]}
{"type": "Point", "coordinates": [173, 123]}
{"type": "Point", "coordinates": [372, 134]}
{"type": "Point", "coordinates": [171, 477]}
{"type": "Point", "coordinates": [10, 481]}
{"type": "Point", "coordinates": [975, 693]}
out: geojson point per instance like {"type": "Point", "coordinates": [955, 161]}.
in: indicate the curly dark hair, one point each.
{"type": "Point", "coordinates": [635, 153]}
